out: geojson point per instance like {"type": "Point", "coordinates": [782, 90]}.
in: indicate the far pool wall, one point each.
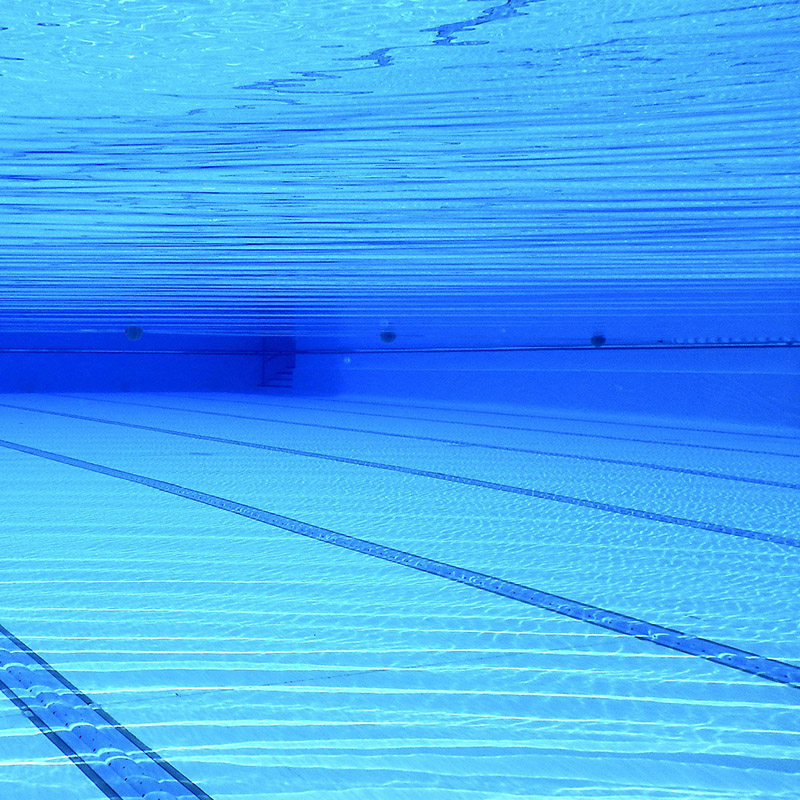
{"type": "Point", "coordinates": [97, 362]}
{"type": "Point", "coordinates": [757, 386]}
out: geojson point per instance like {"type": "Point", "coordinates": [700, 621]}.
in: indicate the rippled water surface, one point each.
{"type": "Point", "coordinates": [420, 558]}
{"type": "Point", "coordinates": [468, 172]}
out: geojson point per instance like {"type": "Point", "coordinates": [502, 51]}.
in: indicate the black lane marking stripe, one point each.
{"type": "Point", "coordinates": [743, 660]}
{"type": "Point", "coordinates": [539, 494]}
{"type": "Point", "coordinates": [111, 737]}
{"type": "Point", "coordinates": [528, 451]}
{"type": "Point", "coordinates": [528, 415]}
{"type": "Point", "coordinates": [560, 433]}
{"type": "Point", "coordinates": [30, 714]}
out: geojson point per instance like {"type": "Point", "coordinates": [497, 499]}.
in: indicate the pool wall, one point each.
{"type": "Point", "coordinates": [749, 384]}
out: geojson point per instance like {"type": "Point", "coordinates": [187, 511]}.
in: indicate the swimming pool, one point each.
{"type": "Point", "coordinates": [399, 400]}
{"type": "Point", "coordinates": [257, 660]}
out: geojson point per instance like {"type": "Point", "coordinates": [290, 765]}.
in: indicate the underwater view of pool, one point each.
{"type": "Point", "coordinates": [188, 562]}
{"type": "Point", "coordinates": [399, 400]}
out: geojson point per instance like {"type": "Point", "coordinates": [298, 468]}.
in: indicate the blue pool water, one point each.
{"type": "Point", "coordinates": [399, 400]}
{"type": "Point", "coordinates": [164, 566]}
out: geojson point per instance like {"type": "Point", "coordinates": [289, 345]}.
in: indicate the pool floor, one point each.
{"type": "Point", "coordinates": [244, 583]}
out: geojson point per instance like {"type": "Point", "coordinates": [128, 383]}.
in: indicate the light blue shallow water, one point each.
{"type": "Point", "coordinates": [398, 400]}
{"type": "Point", "coordinates": [259, 662]}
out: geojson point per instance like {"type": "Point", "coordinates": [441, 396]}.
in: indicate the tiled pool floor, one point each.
{"type": "Point", "coordinates": [259, 662]}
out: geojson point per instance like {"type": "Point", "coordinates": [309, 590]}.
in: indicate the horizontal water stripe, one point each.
{"type": "Point", "coordinates": [116, 761]}
{"type": "Point", "coordinates": [598, 505]}
{"type": "Point", "coordinates": [780, 344]}
{"type": "Point", "coordinates": [715, 652]}
{"type": "Point", "coordinates": [662, 178]}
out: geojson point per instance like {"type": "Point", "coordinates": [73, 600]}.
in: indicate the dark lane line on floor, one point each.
{"type": "Point", "coordinates": [503, 448]}
{"type": "Point", "coordinates": [605, 436]}
{"type": "Point", "coordinates": [118, 763]}
{"type": "Point", "coordinates": [707, 649]}
{"type": "Point", "coordinates": [525, 415]}
{"type": "Point", "coordinates": [539, 494]}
